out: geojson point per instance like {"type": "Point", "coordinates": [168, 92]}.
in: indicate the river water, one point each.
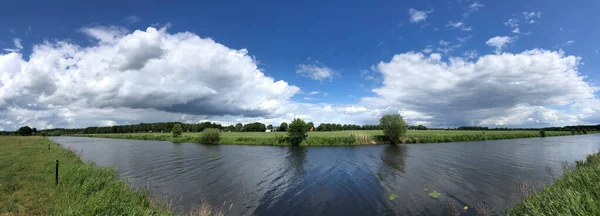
{"type": "Point", "coordinates": [268, 180]}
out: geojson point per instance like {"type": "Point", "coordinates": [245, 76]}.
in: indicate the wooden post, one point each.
{"type": "Point", "coordinates": [56, 176]}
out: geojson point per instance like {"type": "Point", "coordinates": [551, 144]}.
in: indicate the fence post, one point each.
{"type": "Point", "coordinates": [56, 176]}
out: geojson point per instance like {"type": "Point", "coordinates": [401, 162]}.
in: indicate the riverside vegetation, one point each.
{"type": "Point", "coordinates": [319, 138]}
{"type": "Point", "coordinates": [577, 192]}
{"type": "Point", "coordinates": [27, 187]}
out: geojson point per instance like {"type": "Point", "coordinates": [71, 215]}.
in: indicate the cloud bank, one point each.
{"type": "Point", "coordinates": [152, 75]}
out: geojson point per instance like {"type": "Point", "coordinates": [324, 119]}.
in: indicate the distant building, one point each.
{"type": "Point", "coordinates": [268, 130]}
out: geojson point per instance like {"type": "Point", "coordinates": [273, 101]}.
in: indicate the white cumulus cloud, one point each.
{"type": "Point", "coordinates": [499, 42]}
{"type": "Point", "coordinates": [501, 89]}
{"type": "Point", "coordinates": [148, 70]}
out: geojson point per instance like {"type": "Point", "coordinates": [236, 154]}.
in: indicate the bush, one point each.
{"type": "Point", "coordinates": [543, 133]}
{"type": "Point", "coordinates": [209, 136]}
{"type": "Point", "coordinates": [296, 131]}
{"type": "Point", "coordinates": [393, 127]}
{"type": "Point", "coordinates": [177, 130]}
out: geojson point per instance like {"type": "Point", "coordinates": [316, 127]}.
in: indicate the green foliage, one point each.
{"type": "Point", "coordinates": [230, 128]}
{"type": "Point", "coordinates": [24, 131]}
{"type": "Point", "coordinates": [270, 126]}
{"type": "Point", "coordinates": [283, 127]}
{"type": "Point", "coordinates": [177, 130]}
{"type": "Point", "coordinates": [393, 126]}
{"type": "Point", "coordinates": [209, 136]}
{"type": "Point", "coordinates": [319, 138]}
{"type": "Point", "coordinates": [239, 127]}
{"type": "Point", "coordinates": [255, 127]}
{"type": "Point", "coordinates": [393, 197]}
{"type": "Point", "coordinates": [297, 130]}
{"type": "Point", "coordinates": [349, 140]}
{"type": "Point", "coordinates": [55, 133]}
{"type": "Point", "coordinates": [542, 133]}
{"type": "Point", "coordinates": [418, 127]}
{"type": "Point", "coordinates": [310, 125]}
{"type": "Point", "coordinates": [577, 192]}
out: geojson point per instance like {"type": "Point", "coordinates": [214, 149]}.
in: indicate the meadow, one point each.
{"type": "Point", "coordinates": [358, 137]}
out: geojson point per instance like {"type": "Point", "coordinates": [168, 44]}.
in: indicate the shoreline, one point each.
{"type": "Point", "coordinates": [314, 139]}
{"type": "Point", "coordinates": [28, 183]}
{"type": "Point", "coordinates": [573, 193]}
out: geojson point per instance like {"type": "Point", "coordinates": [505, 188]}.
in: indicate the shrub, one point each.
{"type": "Point", "coordinates": [543, 133]}
{"type": "Point", "coordinates": [209, 136]}
{"type": "Point", "coordinates": [177, 130]}
{"type": "Point", "coordinates": [296, 131]}
{"type": "Point", "coordinates": [393, 127]}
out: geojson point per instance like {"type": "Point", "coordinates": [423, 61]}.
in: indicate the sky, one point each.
{"type": "Point", "coordinates": [68, 64]}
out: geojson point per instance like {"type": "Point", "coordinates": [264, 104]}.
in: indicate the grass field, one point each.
{"type": "Point", "coordinates": [577, 192]}
{"type": "Point", "coordinates": [338, 137]}
{"type": "Point", "coordinates": [27, 187]}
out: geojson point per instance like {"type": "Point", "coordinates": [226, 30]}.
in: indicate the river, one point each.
{"type": "Point", "coordinates": [269, 180]}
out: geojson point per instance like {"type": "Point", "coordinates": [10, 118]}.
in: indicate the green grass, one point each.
{"type": "Point", "coordinates": [27, 184]}
{"type": "Point", "coordinates": [337, 137]}
{"type": "Point", "coordinates": [577, 192]}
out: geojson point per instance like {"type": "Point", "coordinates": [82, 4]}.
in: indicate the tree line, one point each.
{"type": "Point", "coordinates": [256, 127]}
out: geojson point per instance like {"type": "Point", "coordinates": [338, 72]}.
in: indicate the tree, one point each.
{"type": "Point", "coordinates": [239, 127]}
{"type": "Point", "coordinates": [34, 130]}
{"type": "Point", "coordinates": [297, 131]}
{"type": "Point", "coordinates": [230, 128]}
{"type": "Point", "coordinates": [177, 130]}
{"type": "Point", "coordinates": [24, 131]}
{"type": "Point", "coordinates": [255, 127]}
{"type": "Point", "coordinates": [310, 125]}
{"type": "Point", "coordinates": [269, 126]}
{"type": "Point", "coordinates": [393, 126]}
{"type": "Point", "coordinates": [283, 126]}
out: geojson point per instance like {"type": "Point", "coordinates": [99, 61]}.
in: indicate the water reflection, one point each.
{"type": "Point", "coordinates": [267, 180]}
{"type": "Point", "coordinates": [393, 162]}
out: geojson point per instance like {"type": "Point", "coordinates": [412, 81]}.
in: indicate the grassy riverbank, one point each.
{"type": "Point", "coordinates": [577, 192]}
{"type": "Point", "coordinates": [27, 187]}
{"type": "Point", "coordinates": [338, 137]}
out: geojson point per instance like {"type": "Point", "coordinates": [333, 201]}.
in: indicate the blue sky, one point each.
{"type": "Point", "coordinates": [346, 40]}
